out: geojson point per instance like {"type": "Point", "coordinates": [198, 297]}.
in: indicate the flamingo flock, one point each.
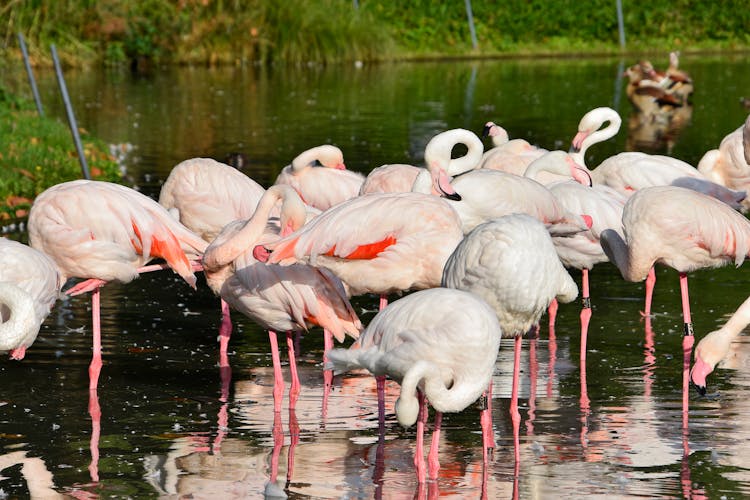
{"type": "Point", "coordinates": [473, 249]}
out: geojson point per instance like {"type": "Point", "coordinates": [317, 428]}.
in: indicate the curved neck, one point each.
{"type": "Point", "coordinates": [223, 252]}
{"type": "Point", "coordinates": [439, 149]}
{"type": "Point", "coordinates": [618, 253]}
{"type": "Point", "coordinates": [18, 320]}
{"type": "Point", "coordinates": [599, 117]}
{"type": "Point", "coordinates": [329, 156]}
{"type": "Point", "coordinates": [441, 398]}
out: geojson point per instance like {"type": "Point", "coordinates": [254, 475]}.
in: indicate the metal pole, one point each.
{"type": "Point", "coordinates": [29, 72]}
{"type": "Point", "coordinates": [471, 24]}
{"type": "Point", "coordinates": [356, 4]}
{"type": "Point", "coordinates": [69, 111]}
{"type": "Point", "coordinates": [620, 24]}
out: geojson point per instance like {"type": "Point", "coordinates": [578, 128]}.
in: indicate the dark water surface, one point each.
{"type": "Point", "coordinates": [165, 430]}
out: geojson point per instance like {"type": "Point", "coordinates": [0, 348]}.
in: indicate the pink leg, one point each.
{"type": "Point", "coordinates": [18, 353]}
{"type": "Point", "coordinates": [95, 412]}
{"type": "Point", "coordinates": [687, 348]}
{"type": "Point", "coordinates": [585, 405]}
{"type": "Point", "coordinates": [225, 332]}
{"type": "Point", "coordinates": [278, 378]}
{"type": "Point", "coordinates": [419, 452]}
{"type": "Point", "coordinates": [552, 361]}
{"type": "Point", "coordinates": [88, 285]}
{"type": "Point", "coordinates": [585, 313]}
{"type": "Point", "coordinates": [294, 389]}
{"type": "Point", "coordinates": [552, 312]}
{"type": "Point", "coordinates": [383, 302]}
{"type": "Point", "coordinates": [432, 458]}
{"type": "Point", "coordinates": [96, 358]}
{"type": "Point", "coordinates": [488, 437]}
{"type": "Point", "coordinates": [514, 415]}
{"type": "Point", "coordinates": [650, 282]}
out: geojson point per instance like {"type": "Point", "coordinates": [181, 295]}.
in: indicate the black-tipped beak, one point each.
{"type": "Point", "coordinates": [573, 149]}
{"type": "Point", "coordinates": [486, 130]}
{"type": "Point", "coordinates": [700, 388]}
{"type": "Point", "coordinates": [453, 196]}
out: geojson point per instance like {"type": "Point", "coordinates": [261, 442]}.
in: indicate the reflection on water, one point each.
{"type": "Point", "coordinates": [172, 427]}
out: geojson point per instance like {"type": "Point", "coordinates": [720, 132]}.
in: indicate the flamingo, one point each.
{"type": "Point", "coordinates": [630, 171]}
{"type": "Point", "coordinates": [682, 229]}
{"type": "Point", "coordinates": [321, 188]}
{"type": "Point", "coordinates": [511, 263]}
{"type": "Point", "coordinates": [486, 194]}
{"type": "Point", "coordinates": [206, 195]}
{"type": "Point", "coordinates": [377, 243]}
{"type": "Point", "coordinates": [512, 156]}
{"type": "Point", "coordinates": [279, 298]}
{"type": "Point", "coordinates": [390, 178]}
{"type": "Point", "coordinates": [729, 165]}
{"type": "Point", "coordinates": [582, 250]}
{"type": "Point", "coordinates": [440, 344]}
{"type": "Point", "coordinates": [102, 232]}
{"type": "Point", "coordinates": [714, 347]}
{"type": "Point", "coordinates": [29, 287]}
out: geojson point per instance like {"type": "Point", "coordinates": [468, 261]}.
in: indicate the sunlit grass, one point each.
{"type": "Point", "coordinates": [36, 153]}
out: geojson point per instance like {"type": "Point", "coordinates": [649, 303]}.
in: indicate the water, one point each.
{"type": "Point", "coordinates": [165, 429]}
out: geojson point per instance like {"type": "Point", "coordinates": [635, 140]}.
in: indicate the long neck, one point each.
{"type": "Point", "coordinates": [739, 320]}
{"type": "Point", "coordinates": [438, 151]}
{"type": "Point", "coordinates": [441, 398]}
{"type": "Point", "coordinates": [599, 135]}
{"type": "Point", "coordinates": [18, 322]}
{"type": "Point", "coordinates": [618, 253]}
{"type": "Point", "coordinates": [224, 251]}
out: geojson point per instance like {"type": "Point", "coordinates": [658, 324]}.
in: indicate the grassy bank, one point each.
{"type": "Point", "coordinates": [36, 153]}
{"type": "Point", "coordinates": [235, 31]}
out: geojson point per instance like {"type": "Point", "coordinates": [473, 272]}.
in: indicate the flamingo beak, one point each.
{"type": "Point", "coordinates": [340, 166]}
{"type": "Point", "coordinates": [261, 253]}
{"type": "Point", "coordinates": [441, 184]}
{"type": "Point", "coordinates": [698, 375]}
{"type": "Point", "coordinates": [577, 142]}
{"type": "Point", "coordinates": [486, 129]}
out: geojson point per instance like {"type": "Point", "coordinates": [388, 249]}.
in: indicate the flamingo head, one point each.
{"type": "Point", "coordinates": [712, 348]}
{"type": "Point", "coordinates": [577, 143]}
{"type": "Point", "coordinates": [441, 182]}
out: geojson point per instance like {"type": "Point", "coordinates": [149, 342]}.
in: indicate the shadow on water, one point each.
{"type": "Point", "coordinates": [166, 427]}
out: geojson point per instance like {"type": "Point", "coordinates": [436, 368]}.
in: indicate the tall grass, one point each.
{"type": "Point", "coordinates": [301, 31]}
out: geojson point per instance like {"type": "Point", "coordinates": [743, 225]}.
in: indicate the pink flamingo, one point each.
{"type": "Point", "coordinates": [715, 346]}
{"type": "Point", "coordinates": [486, 194]}
{"type": "Point", "coordinates": [440, 345]}
{"type": "Point", "coordinates": [29, 287]}
{"type": "Point", "coordinates": [102, 232]}
{"type": "Point", "coordinates": [321, 188]}
{"type": "Point", "coordinates": [391, 178]}
{"type": "Point", "coordinates": [582, 250]}
{"type": "Point", "coordinates": [511, 263]}
{"type": "Point", "coordinates": [377, 243]}
{"type": "Point", "coordinates": [512, 156]}
{"type": "Point", "coordinates": [630, 171]}
{"type": "Point", "coordinates": [729, 165]}
{"type": "Point", "coordinates": [279, 298]}
{"type": "Point", "coordinates": [206, 195]}
{"type": "Point", "coordinates": [682, 229]}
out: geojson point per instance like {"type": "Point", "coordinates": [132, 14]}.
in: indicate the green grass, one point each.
{"type": "Point", "coordinates": [327, 31]}
{"type": "Point", "coordinates": [36, 153]}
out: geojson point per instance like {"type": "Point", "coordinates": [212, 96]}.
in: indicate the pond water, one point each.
{"type": "Point", "coordinates": [172, 425]}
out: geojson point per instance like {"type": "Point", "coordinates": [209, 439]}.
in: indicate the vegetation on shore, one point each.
{"type": "Point", "coordinates": [37, 152]}
{"type": "Point", "coordinates": [302, 31]}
